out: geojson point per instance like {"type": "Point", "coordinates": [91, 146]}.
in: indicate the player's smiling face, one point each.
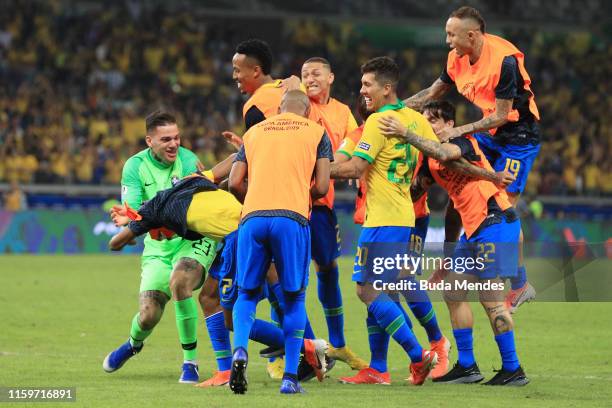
{"type": "Point", "coordinates": [373, 92]}
{"type": "Point", "coordinates": [243, 72]}
{"type": "Point", "coordinates": [317, 78]}
{"type": "Point", "coordinates": [164, 141]}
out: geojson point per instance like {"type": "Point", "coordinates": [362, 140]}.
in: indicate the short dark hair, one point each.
{"type": "Point", "coordinates": [259, 50]}
{"type": "Point", "coordinates": [384, 68]}
{"type": "Point", "coordinates": [159, 118]}
{"type": "Point", "coordinates": [320, 60]}
{"type": "Point", "coordinates": [466, 12]}
{"type": "Point", "coordinates": [441, 109]}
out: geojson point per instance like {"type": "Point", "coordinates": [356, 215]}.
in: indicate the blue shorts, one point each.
{"type": "Point", "coordinates": [325, 235]}
{"type": "Point", "coordinates": [396, 240]}
{"type": "Point", "coordinates": [226, 271]}
{"type": "Point", "coordinates": [287, 241]}
{"type": "Point", "coordinates": [515, 159]}
{"type": "Point", "coordinates": [497, 245]}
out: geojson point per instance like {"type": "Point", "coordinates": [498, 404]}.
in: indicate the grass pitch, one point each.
{"type": "Point", "coordinates": [62, 314]}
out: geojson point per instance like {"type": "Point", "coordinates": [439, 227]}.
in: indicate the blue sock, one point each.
{"type": "Point", "coordinates": [308, 332]}
{"type": "Point", "coordinates": [406, 317]}
{"type": "Point", "coordinates": [293, 329]}
{"type": "Point", "coordinates": [521, 278]}
{"type": "Point", "coordinates": [220, 339]}
{"type": "Point", "coordinates": [243, 316]}
{"type": "Point", "coordinates": [390, 317]}
{"type": "Point", "coordinates": [426, 315]}
{"type": "Point", "coordinates": [267, 333]}
{"type": "Point", "coordinates": [379, 344]}
{"type": "Point", "coordinates": [331, 299]}
{"type": "Point", "coordinates": [465, 346]}
{"type": "Point", "coordinates": [275, 296]}
{"type": "Point", "coordinates": [505, 342]}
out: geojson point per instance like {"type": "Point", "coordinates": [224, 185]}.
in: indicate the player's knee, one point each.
{"type": "Point", "coordinates": [294, 296]}
{"type": "Point", "coordinates": [179, 286]}
{"type": "Point", "coordinates": [366, 293]}
{"type": "Point", "coordinates": [152, 303]}
{"type": "Point", "coordinates": [327, 268]}
{"type": "Point", "coordinates": [186, 275]}
{"type": "Point", "coordinates": [249, 294]}
{"type": "Point", "coordinates": [454, 296]}
{"type": "Point", "coordinates": [149, 316]}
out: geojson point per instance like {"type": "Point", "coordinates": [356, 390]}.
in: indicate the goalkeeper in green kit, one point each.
{"type": "Point", "coordinates": [171, 267]}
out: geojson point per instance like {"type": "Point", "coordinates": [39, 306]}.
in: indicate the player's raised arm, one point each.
{"type": "Point", "coordinates": [436, 91]}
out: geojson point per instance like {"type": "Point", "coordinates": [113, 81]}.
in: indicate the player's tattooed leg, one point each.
{"type": "Point", "coordinates": [185, 277]}
{"type": "Point", "coordinates": [152, 303]}
{"type": "Point", "coordinates": [500, 318]}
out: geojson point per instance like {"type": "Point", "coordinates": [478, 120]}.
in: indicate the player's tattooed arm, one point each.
{"type": "Point", "coordinates": [352, 169]}
{"type": "Point", "coordinates": [436, 91]}
{"type": "Point", "coordinates": [495, 120]}
{"type": "Point", "coordinates": [501, 178]}
{"type": "Point", "coordinates": [390, 126]}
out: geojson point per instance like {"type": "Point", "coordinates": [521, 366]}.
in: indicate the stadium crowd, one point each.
{"type": "Point", "coordinates": [76, 83]}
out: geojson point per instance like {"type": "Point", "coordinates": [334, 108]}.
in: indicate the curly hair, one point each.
{"type": "Point", "coordinates": [259, 50]}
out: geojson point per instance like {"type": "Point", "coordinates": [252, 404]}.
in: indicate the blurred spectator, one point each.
{"type": "Point", "coordinates": [15, 199]}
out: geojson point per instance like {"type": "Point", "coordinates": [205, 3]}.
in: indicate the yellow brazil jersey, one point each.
{"type": "Point", "coordinates": [392, 163]}
{"type": "Point", "coordinates": [214, 214]}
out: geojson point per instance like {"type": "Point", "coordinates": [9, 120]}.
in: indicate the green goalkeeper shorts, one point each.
{"type": "Point", "coordinates": [158, 262]}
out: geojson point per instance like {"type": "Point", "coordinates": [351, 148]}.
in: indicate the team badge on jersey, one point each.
{"type": "Point", "coordinates": [364, 146]}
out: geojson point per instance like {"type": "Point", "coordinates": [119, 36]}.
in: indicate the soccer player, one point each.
{"type": "Point", "coordinates": [252, 64]}
{"type": "Point", "coordinates": [251, 67]}
{"type": "Point", "coordinates": [172, 267]}
{"type": "Point", "coordinates": [388, 164]}
{"type": "Point", "coordinates": [280, 156]}
{"type": "Point", "coordinates": [193, 209]}
{"type": "Point", "coordinates": [489, 71]}
{"type": "Point", "coordinates": [417, 300]}
{"type": "Point", "coordinates": [338, 121]}
{"type": "Point", "coordinates": [492, 231]}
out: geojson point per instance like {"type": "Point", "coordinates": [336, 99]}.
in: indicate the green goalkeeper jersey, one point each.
{"type": "Point", "coordinates": [143, 176]}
